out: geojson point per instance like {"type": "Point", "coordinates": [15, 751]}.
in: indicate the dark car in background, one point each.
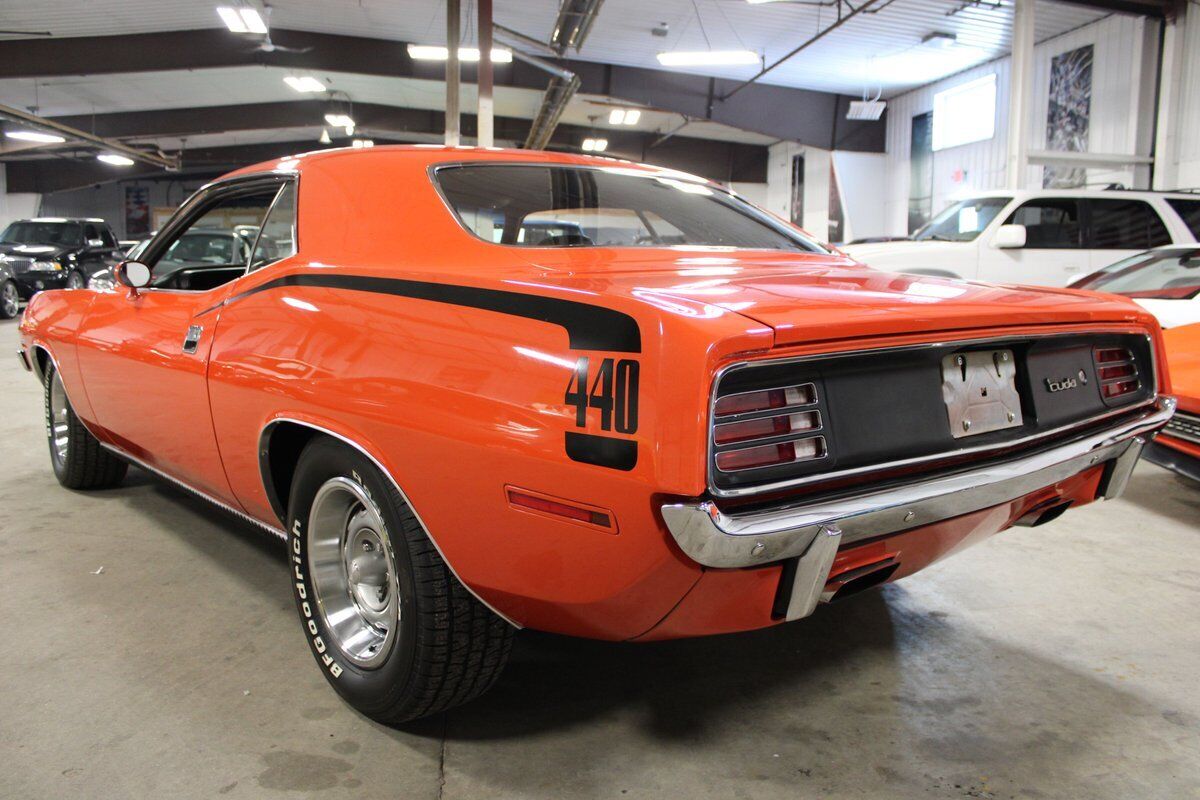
{"type": "Point", "coordinates": [56, 252]}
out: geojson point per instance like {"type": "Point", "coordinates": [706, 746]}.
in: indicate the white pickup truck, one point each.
{"type": "Point", "coordinates": [1043, 237]}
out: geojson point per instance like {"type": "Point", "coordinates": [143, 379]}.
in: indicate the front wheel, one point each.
{"type": "Point", "coordinates": [79, 460]}
{"type": "Point", "coordinates": [392, 629]}
{"type": "Point", "coordinates": [10, 300]}
{"type": "Point", "coordinates": [76, 280]}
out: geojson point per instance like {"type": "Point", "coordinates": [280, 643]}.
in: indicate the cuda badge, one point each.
{"type": "Point", "coordinates": [1061, 385]}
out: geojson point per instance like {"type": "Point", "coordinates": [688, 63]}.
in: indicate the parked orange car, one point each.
{"type": "Point", "coordinates": [1179, 446]}
{"type": "Point", "coordinates": [477, 389]}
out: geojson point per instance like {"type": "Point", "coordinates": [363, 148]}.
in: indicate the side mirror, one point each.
{"type": "Point", "coordinates": [1009, 237]}
{"type": "Point", "coordinates": [133, 274]}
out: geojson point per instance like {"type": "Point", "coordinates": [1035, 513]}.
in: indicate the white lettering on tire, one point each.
{"type": "Point", "coordinates": [335, 669]}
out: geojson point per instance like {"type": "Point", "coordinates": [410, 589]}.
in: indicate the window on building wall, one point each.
{"type": "Point", "coordinates": [965, 114]}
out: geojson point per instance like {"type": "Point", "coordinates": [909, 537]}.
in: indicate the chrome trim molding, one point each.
{"type": "Point", "coordinates": [715, 538]}
{"type": "Point", "coordinates": [808, 480]}
{"type": "Point", "coordinates": [263, 437]}
{"type": "Point", "coordinates": [242, 515]}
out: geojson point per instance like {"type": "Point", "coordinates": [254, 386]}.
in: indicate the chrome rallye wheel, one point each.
{"type": "Point", "coordinates": [79, 461]}
{"type": "Point", "coordinates": [392, 629]}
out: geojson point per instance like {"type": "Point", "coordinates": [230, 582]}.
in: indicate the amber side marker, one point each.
{"type": "Point", "coordinates": [560, 508]}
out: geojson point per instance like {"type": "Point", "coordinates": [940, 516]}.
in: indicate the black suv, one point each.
{"type": "Point", "coordinates": [56, 252]}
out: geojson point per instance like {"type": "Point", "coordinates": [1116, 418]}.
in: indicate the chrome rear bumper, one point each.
{"type": "Point", "coordinates": [815, 530]}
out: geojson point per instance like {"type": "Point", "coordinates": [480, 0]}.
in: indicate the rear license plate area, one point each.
{"type": "Point", "coordinates": [980, 391]}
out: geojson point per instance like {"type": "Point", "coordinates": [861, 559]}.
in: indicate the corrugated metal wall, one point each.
{"type": "Point", "coordinates": [1118, 84]}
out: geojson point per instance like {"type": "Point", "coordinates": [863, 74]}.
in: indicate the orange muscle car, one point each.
{"type": "Point", "coordinates": [1179, 446]}
{"type": "Point", "coordinates": [475, 390]}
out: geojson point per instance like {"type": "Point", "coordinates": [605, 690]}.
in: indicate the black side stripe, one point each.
{"type": "Point", "coordinates": [589, 327]}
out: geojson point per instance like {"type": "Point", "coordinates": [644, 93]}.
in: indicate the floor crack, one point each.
{"type": "Point", "coordinates": [442, 759]}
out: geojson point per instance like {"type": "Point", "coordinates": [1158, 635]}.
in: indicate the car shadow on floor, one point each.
{"type": "Point", "coordinates": [1180, 503]}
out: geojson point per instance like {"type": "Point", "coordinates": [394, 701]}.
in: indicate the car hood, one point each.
{"type": "Point", "coordinates": [904, 249]}
{"type": "Point", "coordinates": [811, 298]}
{"type": "Point", "coordinates": [34, 251]}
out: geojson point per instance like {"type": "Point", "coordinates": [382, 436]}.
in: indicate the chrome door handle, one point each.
{"type": "Point", "coordinates": [192, 340]}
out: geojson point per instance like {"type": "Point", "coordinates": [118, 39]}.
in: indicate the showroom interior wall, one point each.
{"type": "Point", "coordinates": [107, 200]}
{"type": "Point", "coordinates": [1179, 141]}
{"type": "Point", "coordinates": [1123, 81]}
{"type": "Point", "coordinates": [15, 206]}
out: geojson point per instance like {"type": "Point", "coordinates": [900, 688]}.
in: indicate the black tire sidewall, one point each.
{"type": "Point", "coordinates": [368, 690]}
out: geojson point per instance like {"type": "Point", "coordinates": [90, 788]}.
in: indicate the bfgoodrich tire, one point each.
{"type": "Point", "coordinates": [392, 629]}
{"type": "Point", "coordinates": [79, 461]}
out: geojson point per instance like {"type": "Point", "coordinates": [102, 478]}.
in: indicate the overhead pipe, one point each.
{"type": "Point", "coordinates": [110, 145]}
{"type": "Point", "coordinates": [486, 107]}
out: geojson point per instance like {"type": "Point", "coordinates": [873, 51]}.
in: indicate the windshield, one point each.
{"type": "Point", "coordinates": [563, 206]}
{"type": "Point", "coordinates": [963, 221]}
{"type": "Point", "coordinates": [1166, 275]}
{"type": "Point", "coordinates": [59, 233]}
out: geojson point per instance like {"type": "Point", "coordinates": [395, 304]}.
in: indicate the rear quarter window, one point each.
{"type": "Point", "coordinates": [1189, 211]}
{"type": "Point", "coordinates": [1126, 225]}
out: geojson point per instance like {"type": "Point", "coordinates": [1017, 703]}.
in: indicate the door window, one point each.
{"type": "Point", "coordinates": [1050, 224]}
{"type": "Point", "coordinates": [277, 239]}
{"type": "Point", "coordinates": [214, 247]}
{"type": "Point", "coordinates": [1126, 225]}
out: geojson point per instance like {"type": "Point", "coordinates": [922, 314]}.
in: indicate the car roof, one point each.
{"type": "Point", "coordinates": [1110, 194]}
{"type": "Point", "coordinates": [435, 155]}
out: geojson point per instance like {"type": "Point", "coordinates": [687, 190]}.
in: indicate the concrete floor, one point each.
{"type": "Point", "coordinates": [1059, 662]}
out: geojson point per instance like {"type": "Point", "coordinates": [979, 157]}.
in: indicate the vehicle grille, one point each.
{"type": "Point", "coordinates": [1184, 426]}
{"type": "Point", "coordinates": [18, 265]}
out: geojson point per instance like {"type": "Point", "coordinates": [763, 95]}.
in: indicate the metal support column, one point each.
{"type": "Point", "coordinates": [452, 73]}
{"type": "Point", "coordinates": [485, 74]}
{"type": "Point", "coordinates": [1019, 89]}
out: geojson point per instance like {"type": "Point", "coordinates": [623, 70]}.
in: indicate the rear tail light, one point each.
{"type": "Point", "coordinates": [766, 400]}
{"type": "Point", "coordinates": [1117, 371]}
{"type": "Point", "coordinates": [767, 428]}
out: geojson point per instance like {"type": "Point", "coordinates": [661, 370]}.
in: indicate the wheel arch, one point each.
{"type": "Point", "coordinates": [279, 446]}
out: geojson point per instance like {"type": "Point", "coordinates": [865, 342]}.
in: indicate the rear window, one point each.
{"type": "Point", "coordinates": [1189, 210]}
{"type": "Point", "coordinates": [564, 206]}
{"type": "Point", "coordinates": [1166, 275]}
{"type": "Point", "coordinates": [1126, 225]}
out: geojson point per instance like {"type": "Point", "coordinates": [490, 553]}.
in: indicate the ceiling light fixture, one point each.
{"type": "Point", "coordinates": [430, 52]}
{"type": "Point", "coordinates": [708, 58]}
{"type": "Point", "coordinates": [34, 136]}
{"type": "Point", "coordinates": [624, 116]}
{"type": "Point", "coordinates": [358, 144]}
{"type": "Point", "coordinates": [115, 160]}
{"type": "Point", "coordinates": [595, 145]}
{"type": "Point", "coordinates": [866, 109]}
{"type": "Point", "coordinates": [304, 83]}
{"type": "Point", "coordinates": [341, 121]}
{"type": "Point", "coordinates": [242, 20]}
{"type": "Point", "coordinates": [324, 138]}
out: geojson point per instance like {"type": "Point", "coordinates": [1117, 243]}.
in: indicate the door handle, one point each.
{"type": "Point", "coordinates": [192, 339]}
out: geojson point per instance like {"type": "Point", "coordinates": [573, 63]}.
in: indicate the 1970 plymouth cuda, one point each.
{"type": "Point", "coordinates": [475, 390]}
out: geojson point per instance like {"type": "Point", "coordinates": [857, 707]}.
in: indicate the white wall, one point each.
{"type": "Point", "coordinates": [860, 176]}
{"type": "Point", "coordinates": [1122, 86]}
{"type": "Point", "coordinates": [107, 200]}
{"type": "Point", "coordinates": [15, 206]}
{"type": "Point", "coordinates": [816, 185]}
{"type": "Point", "coordinates": [1178, 143]}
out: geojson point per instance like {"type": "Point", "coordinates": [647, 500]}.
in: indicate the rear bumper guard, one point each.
{"type": "Point", "coordinates": [814, 531]}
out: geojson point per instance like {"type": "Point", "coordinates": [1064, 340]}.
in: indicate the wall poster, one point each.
{"type": "Point", "coordinates": [1068, 115]}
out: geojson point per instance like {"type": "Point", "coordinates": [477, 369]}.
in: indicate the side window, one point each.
{"type": "Point", "coordinates": [107, 235]}
{"type": "Point", "coordinates": [90, 233]}
{"type": "Point", "coordinates": [278, 236]}
{"type": "Point", "coordinates": [1126, 225]}
{"type": "Point", "coordinates": [1049, 223]}
{"type": "Point", "coordinates": [1189, 211]}
{"type": "Point", "coordinates": [214, 246]}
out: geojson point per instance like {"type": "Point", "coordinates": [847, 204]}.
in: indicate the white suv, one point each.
{"type": "Point", "coordinates": [1043, 237]}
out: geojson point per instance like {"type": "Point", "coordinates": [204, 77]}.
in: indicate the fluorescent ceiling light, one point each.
{"type": "Point", "coordinates": [304, 83]}
{"type": "Point", "coordinates": [708, 58]}
{"type": "Point", "coordinates": [624, 116]}
{"type": "Point", "coordinates": [361, 143]}
{"type": "Point", "coordinates": [866, 109]}
{"type": "Point", "coordinates": [115, 160]}
{"type": "Point", "coordinates": [430, 52]}
{"type": "Point", "coordinates": [34, 136]}
{"type": "Point", "coordinates": [595, 145]}
{"type": "Point", "coordinates": [242, 20]}
{"type": "Point", "coordinates": [339, 120]}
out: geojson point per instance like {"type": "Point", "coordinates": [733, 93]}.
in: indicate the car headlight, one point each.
{"type": "Point", "coordinates": [102, 282]}
{"type": "Point", "coordinates": [45, 266]}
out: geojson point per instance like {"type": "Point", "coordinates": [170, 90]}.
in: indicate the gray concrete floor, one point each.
{"type": "Point", "coordinates": [1058, 662]}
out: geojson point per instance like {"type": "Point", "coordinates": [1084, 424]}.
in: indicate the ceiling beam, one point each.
{"type": "Point", "coordinates": [802, 115]}
{"type": "Point", "coordinates": [83, 137]}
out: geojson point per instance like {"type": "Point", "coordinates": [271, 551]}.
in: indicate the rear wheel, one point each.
{"type": "Point", "coordinates": [394, 632]}
{"type": "Point", "coordinates": [79, 461]}
{"type": "Point", "coordinates": [10, 300]}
